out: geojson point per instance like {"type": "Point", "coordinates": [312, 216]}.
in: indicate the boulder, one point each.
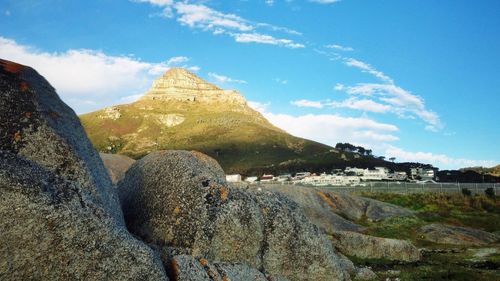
{"type": "Point", "coordinates": [116, 165]}
{"type": "Point", "coordinates": [59, 214]}
{"type": "Point", "coordinates": [369, 247]}
{"type": "Point", "coordinates": [189, 268]}
{"type": "Point", "coordinates": [180, 199]}
{"type": "Point", "coordinates": [37, 125]}
{"type": "Point", "coordinates": [355, 207]}
{"type": "Point", "coordinates": [365, 273]}
{"type": "Point", "coordinates": [53, 230]}
{"type": "Point", "coordinates": [317, 208]}
{"type": "Point", "coordinates": [456, 235]}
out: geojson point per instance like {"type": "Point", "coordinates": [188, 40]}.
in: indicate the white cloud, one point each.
{"type": "Point", "coordinates": [100, 78]}
{"type": "Point", "coordinates": [438, 160]}
{"type": "Point", "coordinates": [269, 2]}
{"type": "Point", "coordinates": [331, 128]}
{"type": "Point", "coordinates": [224, 79]}
{"type": "Point", "coordinates": [265, 39]}
{"type": "Point", "coordinates": [340, 48]}
{"type": "Point", "coordinates": [368, 69]}
{"type": "Point", "coordinates": [399, 100]}
{"type": "Point", "coordinates": [307, 103]}
{"type": "Point", "coordinates": [202, 17]}
{"type": "Point", "coordinates": [361, 104]}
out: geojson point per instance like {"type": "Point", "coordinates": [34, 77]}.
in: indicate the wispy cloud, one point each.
{"type": "Point", "coordinates": [224, 79]}
{"type": "Point", "coordinates": [365, 67]}
{"type": "Point", "coordinates": [439, 160]}
{"type": "Point", "coordinates": [199, 16]}
{"type": "Point", "coordinates": [331, 128]}
{"type": "Point", "coordinates": [307, 103]}
{"type": "Point", "coordinates": [265, 39]}
{"type": "Point", "coordinates": [339, 48]}
{"type": "Point", "coordinates": [102, 79]}
{"type": "Point", "coordinates": [281, 81]}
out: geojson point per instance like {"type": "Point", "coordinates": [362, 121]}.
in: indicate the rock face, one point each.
{"type": "Point", "coordinates": [179, 84]}
{"type": "Point", "coordinates": [328, 209]}
{"type": "Point", "coordinates": [59, 214]}
{"type": "Point", "coordinates": [180, 199]}
{"type": "Point", "coordinates": [364, 246]}
{"type": "Point", "coordinates": [456, 235]}
{"type": "Point", "coordinates": [116, 165]}
{"type": "Point", "coordinates": [37, 125]}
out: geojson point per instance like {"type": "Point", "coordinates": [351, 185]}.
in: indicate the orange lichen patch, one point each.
{"type": "Point", "coordinates": [28, 114]}
{"type": "Point", "coordinates": [265, 211]}
{"type": "Point", "coordinates": [203, 262]}
{"type": "Point", "coordinates": [174, 267]}
{"type": "Point", "coordinates": [177, 210]}
{"type": "Point", "coordinates": [223, 193]}
{"type": "Point", "coordinates": [23, 86]}
{"type": "Point", "coordinates": [327, 199]}
{"type": "Point", "coordinates": [225, 278]}
{"type": "Point", "coordinates": [11, 67]}
{"type": "Point", "coordinates": [17, 136]}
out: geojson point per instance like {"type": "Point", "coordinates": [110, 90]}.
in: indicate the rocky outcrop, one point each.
{"type": "Point", "coordinates": [186, 268]}
{"type": "Point", "coordinates": [178, 84]}
{"type": "Point", "coordinates": [59, 215]}
{"type": "Point", "coordinates": [116, 165]}
{"type": "Point", "coordinates": [456, 235]}
{"type": "Point", "coordinates": [180, 199]}
{"type": "Point", "coordinates": [334, 211]}
{"type": "Point", "coordinates": [37, 125]}
{"type": "Point", "coordinates": [358, 207]}
{"type": "Point", "coordinates": [369, 247]}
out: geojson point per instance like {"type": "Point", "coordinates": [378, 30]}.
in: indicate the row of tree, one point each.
{"type": "Point", "coordinates": [347, 147]}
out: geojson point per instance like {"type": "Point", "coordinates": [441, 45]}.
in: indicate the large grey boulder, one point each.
{"type": "Point", "coordinates": [456, 235]}
{"type": "Point", "coordinates": [59, 215]}
{"type": "Point", "coordinates": [52, 230]}
{"type": "Point", "coordinates": [116, 165]}
{"type": "Point", "coordinates": [37, 125]}
{"type": "Point", "coordinates": [180, 199]}
{"type": "Point", "coordinates": [370, 247]}
{"type": "Point", "coordinates": [317, 207]}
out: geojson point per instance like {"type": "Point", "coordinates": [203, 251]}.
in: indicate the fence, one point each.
{"type": "Point", "coordinates": [406, 187]}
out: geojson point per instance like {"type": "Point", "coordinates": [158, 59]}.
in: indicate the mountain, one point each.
{"type": "Point", "coordinates": [182, 111]}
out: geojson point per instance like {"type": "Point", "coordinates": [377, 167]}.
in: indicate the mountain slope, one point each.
{"type": "Point", "coordinates": [181, 111]}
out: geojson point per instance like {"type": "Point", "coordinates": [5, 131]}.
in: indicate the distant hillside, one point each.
{"type": "Point", "coordinates": [494, 171]}
{"type": "Point", "coordinates": [182, 111]}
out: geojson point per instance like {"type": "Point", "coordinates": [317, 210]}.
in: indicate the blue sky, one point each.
{"type": "Point", "coordinates": [413, 79]}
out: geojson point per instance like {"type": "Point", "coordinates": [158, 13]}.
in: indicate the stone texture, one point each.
{"type": "Point", "coordinates": [59, 216]}
{"type": "Point", "coordinates": [180, 199]}
{"type": "Point", "coordinates": [51, 230]}
{"type": "Point", "coordinates": [178, 84]}
{"type": "Point", "coordinates": [456, 235]}
{"type": "Point", "coordinates": [365, 273]}
{"type": "Point", "coordinates": [116, 165]}
{"type": "Point", "coordinates": [317, 208]}
{"type": "Point", "coordinates": [36, 124]}
{"type": "Point", "coordinates": [364, 246]}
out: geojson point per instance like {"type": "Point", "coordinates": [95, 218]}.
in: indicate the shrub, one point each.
{"type": "Point", "coordinates": [490, 192]}
{"type": "Point", "coordinates": [466, 192]}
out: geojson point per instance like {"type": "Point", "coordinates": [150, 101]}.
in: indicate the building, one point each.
{"type": "Point", "coordinates": [376, 174]}
{"type": "Point", "coordinates": [354, 171]}
{"type": "Point", "coordinates": [233, 178]}
{"type": "Point", "coordinates": [422, 173]}
{"type": "Point", "coordinates": [267, 178]}
{"type": "Point", "coordinates": [251, 179]}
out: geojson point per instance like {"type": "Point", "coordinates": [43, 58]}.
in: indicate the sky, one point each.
{"type": "Point", "coordinates": [417, 80]}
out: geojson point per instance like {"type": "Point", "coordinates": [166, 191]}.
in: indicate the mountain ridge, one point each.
{"type": "Point", "coordinates": [183, 111]}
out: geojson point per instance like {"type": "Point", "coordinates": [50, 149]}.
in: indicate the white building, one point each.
{"type": "Point", "coordinates": [251, 179]}
{"type": "Point", "coordinates": [355, 171]}
{"type": "Point", "coordinates": [331, 180]}
{"type": "Point", "coordinates": [376, 174]}
{"type": "Point", "coordinates": [267, 178]}
{"type": "Point", "coordinates": [233, 178]}
{"type": "Point", "coordinates": [422, 173]}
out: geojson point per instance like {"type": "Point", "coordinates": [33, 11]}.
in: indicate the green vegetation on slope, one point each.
{"type": "Point", "coordinates": [440, 262]}
{"type": "Point", "coordinates": [241, 139]}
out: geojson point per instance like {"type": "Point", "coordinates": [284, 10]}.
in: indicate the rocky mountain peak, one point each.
{"type": "Point", "coordinates": [180, 84]}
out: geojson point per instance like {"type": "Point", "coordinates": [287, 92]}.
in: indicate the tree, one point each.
{"type": "Point", "coordinates": [381, 157]}
{"type": "Point", "coordinates": [392, 159]}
